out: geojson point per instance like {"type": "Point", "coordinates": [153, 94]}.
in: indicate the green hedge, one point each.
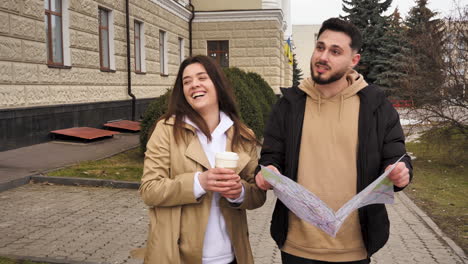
{"type": "Point", "coordinates": [264, 87]}
{"type": "Point", "coordinates": [154, 111]}
{"type": "Point", "coordinates": [264, 93]}
{"type": "Point", "coordinates": [255, 91]}
{"type": "Point", "coordinates": [253, 95]}
{"type": "Point", "coordinates": [249, 104]}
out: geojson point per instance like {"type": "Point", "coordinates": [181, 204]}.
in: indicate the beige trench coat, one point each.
{"type": "Point", "coordinates": [177, 220]}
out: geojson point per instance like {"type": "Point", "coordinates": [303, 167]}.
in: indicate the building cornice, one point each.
{"type": "Point", "coordinates": [239, 15]}
{"type": "Point", "coordinates": [175, 8]}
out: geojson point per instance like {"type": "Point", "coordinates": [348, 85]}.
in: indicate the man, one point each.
{"type": "Point", "coordinates": [334, 134]}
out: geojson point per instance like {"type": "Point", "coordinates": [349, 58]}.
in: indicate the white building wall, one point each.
{"type": "Point", "coordinates": [304, 38]}
{"type": "Point", "coordinates": [26, 79]}
{"type": "Point", "coordinates": [255, 42]}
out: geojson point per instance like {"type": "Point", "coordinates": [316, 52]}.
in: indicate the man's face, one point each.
{"type": "Point", "coordinates": [332, 57]}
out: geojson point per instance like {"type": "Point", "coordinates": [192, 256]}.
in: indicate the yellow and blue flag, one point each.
{"type": "Point", "coordinates": [288, 50]}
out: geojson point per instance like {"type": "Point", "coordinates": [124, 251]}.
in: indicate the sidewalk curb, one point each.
{"type": "Point", "coordinates": [14, 183]}
{"type": "Point", "coordinates": [4, 186]}
{"type": "Point", "coordinates": [101, 158]}
{"type": "Point", "coordinates": [47, 260]}
{"type": "Point", "coordinates": [424, 217]}
{"type": "Point", "coordinates": [84, 182]}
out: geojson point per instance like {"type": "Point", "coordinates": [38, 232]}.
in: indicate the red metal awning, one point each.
{"type": "Point", "coordinates": [85, 132]}
{"type": "Point", "coordinates": [124, 124]}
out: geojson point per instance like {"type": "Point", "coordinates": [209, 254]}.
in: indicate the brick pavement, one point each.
{"type": "Point", "coordinates": [101, 225]}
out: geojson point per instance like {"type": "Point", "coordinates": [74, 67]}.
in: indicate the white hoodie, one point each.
{"type": "Point", "coordinates": [217, 248]}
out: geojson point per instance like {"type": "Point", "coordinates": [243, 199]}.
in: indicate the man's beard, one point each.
{"type": "Point", "coordinates": [333, 78]}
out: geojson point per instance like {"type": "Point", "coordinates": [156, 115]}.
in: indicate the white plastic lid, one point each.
{"type": "Point", "coordinates": [227, 155]}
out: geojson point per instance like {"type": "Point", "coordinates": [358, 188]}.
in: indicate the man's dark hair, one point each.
{"type": "Point", "coordinates": [340, 25]}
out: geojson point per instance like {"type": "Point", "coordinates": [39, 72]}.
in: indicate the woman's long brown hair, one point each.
{"type": "Point", "coordinates": [179, 107]}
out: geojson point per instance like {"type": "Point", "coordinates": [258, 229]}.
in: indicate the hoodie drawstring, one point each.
{"type": "Point", "coordinates": [341, 107]}
{"type": "Point", "coordinates": [319, 103]}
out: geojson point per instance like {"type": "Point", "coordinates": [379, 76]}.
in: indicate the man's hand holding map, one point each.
{"type": "Point", "coordinates": [310, 208]}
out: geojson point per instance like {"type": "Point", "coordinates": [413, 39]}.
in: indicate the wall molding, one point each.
{"type": "Point", "coordinates": [175, 8]}
{"type": "Point", "coordinates": [239, 15]}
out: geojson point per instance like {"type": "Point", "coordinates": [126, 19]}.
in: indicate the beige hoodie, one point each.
{"type": "Point", "coordinates": [327, 167]}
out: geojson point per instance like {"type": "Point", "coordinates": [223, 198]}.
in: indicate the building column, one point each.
{"type": "Point", "coordinates": [271, 4]}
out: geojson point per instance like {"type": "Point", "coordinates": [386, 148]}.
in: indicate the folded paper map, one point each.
{"type": "Point", "coordinates": [310, 208]}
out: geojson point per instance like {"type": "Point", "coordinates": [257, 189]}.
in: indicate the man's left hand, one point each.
{"type": "Point", "coordinates": [399, 175]}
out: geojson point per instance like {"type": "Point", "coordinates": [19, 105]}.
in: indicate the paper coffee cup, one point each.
{"type": "Point", "coordinates": [227, 160]}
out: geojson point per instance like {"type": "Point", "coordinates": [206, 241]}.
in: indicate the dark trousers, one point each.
{"type": "Point", "coordinates": [291, 259]}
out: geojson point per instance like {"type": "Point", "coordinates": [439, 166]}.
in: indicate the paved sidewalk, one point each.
{"type": "Point", "coordinates": [17, 165]}
{"type": "Point", "coordinates": [66, 224]}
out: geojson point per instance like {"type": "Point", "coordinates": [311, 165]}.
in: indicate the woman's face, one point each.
{"type": "Point", "coordinates": [199, 90]}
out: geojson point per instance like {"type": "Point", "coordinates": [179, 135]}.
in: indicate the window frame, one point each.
{"type": "Point", "coordinates": [181, 50]}
{"type": "Point", "coordinates": [139, 46]}
{"type": "Point", "coordinates": [49, 43]}
{"type": "Point", "coordinates": [218, 51]}
{"type": "Point", "coordinates": [100, 27]}
{"type": "Point", "coordinates": [163, 53]}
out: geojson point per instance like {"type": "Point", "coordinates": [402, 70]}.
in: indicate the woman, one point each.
{"type": "Point", "coordinates": [197, 212]}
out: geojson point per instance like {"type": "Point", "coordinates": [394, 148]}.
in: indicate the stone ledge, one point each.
{"type": "Point", "coordinates": [46, 260]}
{"type": "Point", "coordinates": [70, 181]}
{"type": "Point", "coordinates": [14, 183]}
{"type": "Point", "coordinates": [74, 181]}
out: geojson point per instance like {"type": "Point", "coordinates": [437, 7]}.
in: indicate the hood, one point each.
{"type": "Point", "coordinates": [224, 124]}
{"type": "Point", "coordinates": [356, 83]}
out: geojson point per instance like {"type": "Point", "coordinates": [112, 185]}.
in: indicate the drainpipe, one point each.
{"type": "Point", "coordinates": [192, 8]}
{"type": "Point", "coordinates": [129, 70]}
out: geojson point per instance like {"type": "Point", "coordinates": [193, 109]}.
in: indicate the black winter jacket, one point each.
{"type": "Point", "coordinates": [380, 143]}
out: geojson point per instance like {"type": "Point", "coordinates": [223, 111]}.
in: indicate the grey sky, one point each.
{"type": "Point", "coordinates": [315, 12]}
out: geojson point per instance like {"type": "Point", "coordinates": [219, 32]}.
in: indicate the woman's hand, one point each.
{"type": "Point", "coordinates": [234, 192]}
{"type": "Point", "coordinates": [224, 181]}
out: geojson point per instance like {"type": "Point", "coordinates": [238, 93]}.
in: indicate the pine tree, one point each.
{"type": "Point", "coordinates": [425, 36]}
{"type": "Point", "coordinates": [391, 60]}
{"type": "Point", "coordinates": [297, 72]}
{"type": "Point", "coordinates": [368, 16]}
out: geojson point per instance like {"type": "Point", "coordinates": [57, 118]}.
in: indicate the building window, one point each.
{"type": "Point", "coordinates": [54, 39]}
{"type": "Point", "coordinates": [163, 52]}
{"type": "Point", "coordinates": [219, 50]}
{"type": "Point", "coordinates": [139, 47]}
{"type": "Point", "coordinates": [104, 39]}
{"type": "Point", "coordinates": [181, 50]}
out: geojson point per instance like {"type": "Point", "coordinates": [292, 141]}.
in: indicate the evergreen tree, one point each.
{"type": "Point", "coordinates": [391, 60]}
{"type": "Point", "coordinates": [368, 16]}
{"type": "Point", "coordinates": [297, 72]}
{"type": "Point", "coordinates": [425, 68]}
